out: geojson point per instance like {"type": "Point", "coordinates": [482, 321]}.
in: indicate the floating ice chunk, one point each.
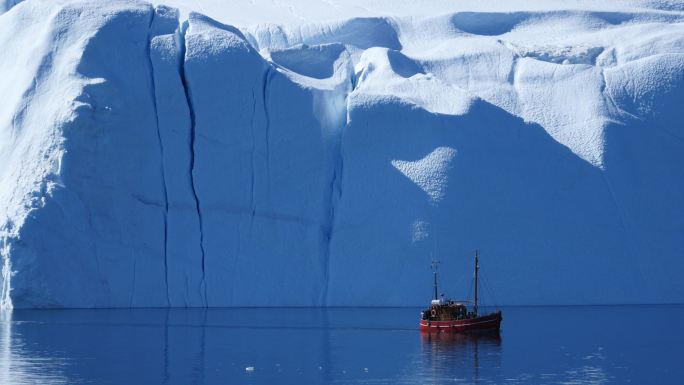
{"type": "Point", "coordinates": [249, 369]}
{"type": "Point", "coordinates": [430, 172]}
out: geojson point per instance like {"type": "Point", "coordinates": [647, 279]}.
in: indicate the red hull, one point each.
{"type": "Point", "coordinates": [488, 323]}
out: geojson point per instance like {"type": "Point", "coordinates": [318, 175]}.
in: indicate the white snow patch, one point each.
{"type": "Point", "coordinates": [421, 230]}
{"type": "Point", "coordinates": [430, 172]}
{"type": "Point", "coordinates": [558, 54]}
{"type": "Point", "coordinates": [381, 72]}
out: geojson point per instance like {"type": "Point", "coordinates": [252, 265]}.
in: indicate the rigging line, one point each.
{"type": "Point", "coordinates": [459, 282]}
{"type": "Point", "coordinates": [485, 288]}
{"type": "Point", "coordinates": [485, 293]}
{"type": "Point", "coordinates": [490, 300]}
{"type": "Point", "coordinates": [495, 300]}
{"type": "Point", "coordinates": [490, 291]}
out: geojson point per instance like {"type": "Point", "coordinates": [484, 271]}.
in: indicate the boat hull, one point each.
{"type": "Point", "coordinates": [487, 323]}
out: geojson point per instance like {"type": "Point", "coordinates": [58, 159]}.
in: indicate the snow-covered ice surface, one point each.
{"type": "Point", "coordinates": [429, 173]}
{"type": "Point", "coordinates": [304, 153]}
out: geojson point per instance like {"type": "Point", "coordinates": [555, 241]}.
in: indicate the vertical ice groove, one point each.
{"type": "Point", "coordinates": [264, 94]}
{"type": "Point", "coordinates": [253, 176]}
{"type": "Point", "coordinates": [193, 135]}
{"type": "Point", "coordinates": [327, 229]}
{"type": "Point", "coordinates": [153, 90]}
{"type": "Point", "coordinates": [131, 295]}
{"type": "Point", "coordinates": [623, 221]}
{"type": "Point", "coordinates": [335, 192]}
{"type": "Point", "coordinates": [327, 236]}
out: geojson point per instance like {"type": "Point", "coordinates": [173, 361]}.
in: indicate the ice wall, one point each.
{"type": "Point", "coordinates": [154, 159]}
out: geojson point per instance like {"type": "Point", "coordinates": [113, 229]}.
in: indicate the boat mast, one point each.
{"type": "Point", "coordinates": [477, 267]}
{"type": "Point", "coordinates": [434, 270]}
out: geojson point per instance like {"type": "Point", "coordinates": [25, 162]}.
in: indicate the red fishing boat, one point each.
{"type": "Point", "coordinates": [454, 317]}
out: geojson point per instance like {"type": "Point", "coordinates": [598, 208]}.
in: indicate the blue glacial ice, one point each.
{"type": "Point", "coordinates": [152, 157]}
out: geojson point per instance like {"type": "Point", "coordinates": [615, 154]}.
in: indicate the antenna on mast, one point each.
{"type": "Point", "coordinates": [435, 264]}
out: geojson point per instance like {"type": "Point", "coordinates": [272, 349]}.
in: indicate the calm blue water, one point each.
{"type": "Point", "coordinates": [537, 345]}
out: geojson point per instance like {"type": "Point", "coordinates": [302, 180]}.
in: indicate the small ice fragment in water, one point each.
{"type": "Point", "coordinates": [365, 370]}
{"type": "Point", "coordinates": [249, 369]}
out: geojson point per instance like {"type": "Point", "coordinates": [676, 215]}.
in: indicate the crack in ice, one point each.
{"type": "Point", "coordinates": [193, 136]}
{"type": "Point", "coordinates": [153, 90]}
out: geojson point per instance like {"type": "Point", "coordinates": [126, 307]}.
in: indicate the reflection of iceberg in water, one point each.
{"type": "Point", "coordinates": [458, 357]}
{"type": "Point", "coordinates": [19, 365]}
{"type": "Point", "coordinates": [480, 359]}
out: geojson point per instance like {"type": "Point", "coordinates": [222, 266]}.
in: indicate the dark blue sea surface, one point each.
{"type": "Point", "coordinates": [537, 345]}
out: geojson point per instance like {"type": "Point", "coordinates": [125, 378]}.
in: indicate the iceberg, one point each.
{"type": "Point", "coordinates": [253, 155]}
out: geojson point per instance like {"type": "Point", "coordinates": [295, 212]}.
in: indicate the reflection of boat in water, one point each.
{"type": "Point", "coordinates": [453, 316]}
{"type": "Point", "coordinates": [460, 339]}
{"type": "Point", "coordinates": [453, 355]}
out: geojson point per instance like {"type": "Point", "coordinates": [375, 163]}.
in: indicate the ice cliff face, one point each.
{"type": "Point", "coordinates": [149, 158]}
